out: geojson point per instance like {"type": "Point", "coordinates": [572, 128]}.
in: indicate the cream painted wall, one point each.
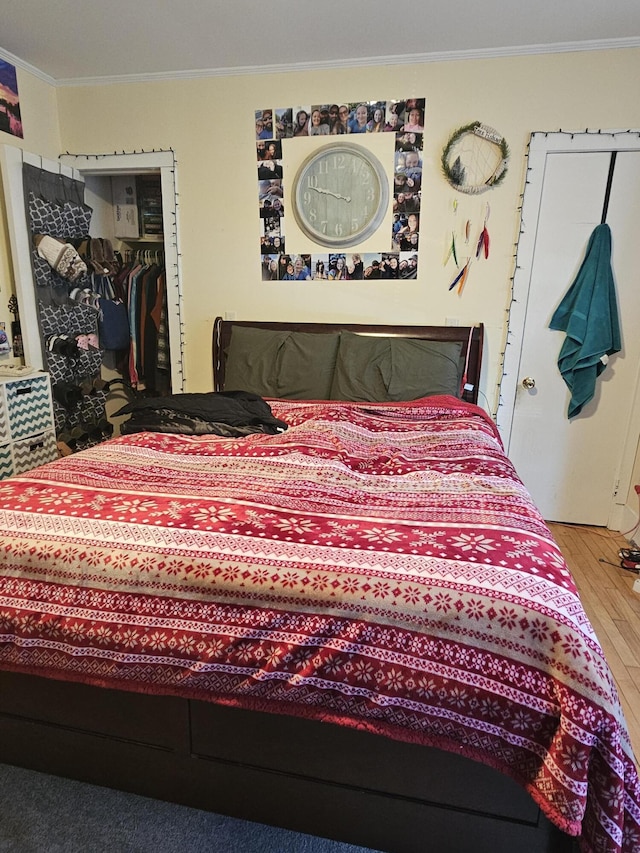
{"type": "Point", "coordinates": [208, 122]}
{"type": "Point", "coordinates": [39, 110]}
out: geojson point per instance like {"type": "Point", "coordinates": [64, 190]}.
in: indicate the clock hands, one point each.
{"type": "Point", "coordinates": [329, 192]}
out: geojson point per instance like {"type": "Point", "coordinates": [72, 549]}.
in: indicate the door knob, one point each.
{"type": "Point", "coordinates": [528, 382]}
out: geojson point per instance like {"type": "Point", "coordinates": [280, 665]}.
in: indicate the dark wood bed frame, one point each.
{"type": "Point", "coordinates": [307, 776]}
{"type": "Point", "coordinates": [222, 337]}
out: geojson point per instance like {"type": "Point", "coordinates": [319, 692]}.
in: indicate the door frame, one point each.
{"type": "Point", "coordinates": [135, 164]}
{"type": "Point", "coordinates": [541, 145]}
{"type": "Point", "coordinates": [76, 167]}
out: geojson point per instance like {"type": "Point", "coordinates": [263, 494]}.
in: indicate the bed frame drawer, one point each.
{"type": "Point", "coordinates": [289, 744]}
{"type": "Point", "coordinates": [158, 721]}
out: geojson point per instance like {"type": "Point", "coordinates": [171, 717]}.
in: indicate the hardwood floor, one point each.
{"type": "Point", "coordinates": [611, 605]}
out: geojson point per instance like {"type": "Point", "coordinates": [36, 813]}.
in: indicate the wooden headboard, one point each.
{"type": "Point", "coordinates": [222, 337]}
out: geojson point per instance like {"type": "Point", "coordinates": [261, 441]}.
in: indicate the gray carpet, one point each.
{"type": "Point", "coordinates": [45, 814]}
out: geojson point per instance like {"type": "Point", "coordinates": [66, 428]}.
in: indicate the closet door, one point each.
{"type": "Point", "coordinates": [12, 160]}
{"type": "Point", "coordinates": [573, 468]}
{"type": "Point", "coordinates": [61, 331]}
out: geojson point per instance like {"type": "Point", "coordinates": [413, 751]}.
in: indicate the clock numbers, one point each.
{"type": "Point", "coordinates": [341, 194]}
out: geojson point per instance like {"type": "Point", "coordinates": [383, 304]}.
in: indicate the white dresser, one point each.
{"type": "Point", "coordinates": [27, 432]}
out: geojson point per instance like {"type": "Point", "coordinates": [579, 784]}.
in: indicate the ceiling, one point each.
{"type": "Point", "coordinates": [72, 41]}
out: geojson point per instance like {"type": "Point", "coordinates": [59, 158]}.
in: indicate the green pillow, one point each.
{"type": "Point", "coordinates": [363, 368]}
{"type": "Point", "coordinates": [252, 360]}
{"type": "Point", "coordinates": [306, 365]}
{"type": "Point", "coordinates": [390, 369]}
{"type": "Point", "coordinates": [423, 368]}
{"type": "Point", "coordinates": [274, 363]}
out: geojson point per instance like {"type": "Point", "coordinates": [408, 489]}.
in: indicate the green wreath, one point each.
{"type": "Point", "coordinates": [456, 172]}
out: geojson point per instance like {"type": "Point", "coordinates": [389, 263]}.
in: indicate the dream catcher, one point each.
{"type": "Point", "coordinates": [475, 158]}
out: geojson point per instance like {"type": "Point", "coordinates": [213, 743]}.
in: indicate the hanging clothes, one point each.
{"type": "Point", "coordinates": [588, 313]}
{"type": "Point", "coordinates": [145, 289]}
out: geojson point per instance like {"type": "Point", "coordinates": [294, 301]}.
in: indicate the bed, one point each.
{"type": "Point", "coordinates": [342, 614]}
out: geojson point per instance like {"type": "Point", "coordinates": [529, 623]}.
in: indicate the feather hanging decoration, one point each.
{"type": "Point", "coordinates": [483, 240]}
{"type": "Point", "coordinates": [467, 230]}
{"type": "Point", "coordinates": [486, 242]}
{"type": "Point", "coordinates": [461, 277]}
{"type": "Point", "coordinates": [452, 251]}
{"type": "Point", "coordinates": [483, 243]}
{"type": "Point", "coordinates": [456, 279]}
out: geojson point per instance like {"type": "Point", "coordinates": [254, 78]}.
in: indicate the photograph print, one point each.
{"type": "Point", "coordinates": [10, 119]}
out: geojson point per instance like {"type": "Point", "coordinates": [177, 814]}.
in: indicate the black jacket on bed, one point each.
{"type": "Point", "coordinates": [227, 413]}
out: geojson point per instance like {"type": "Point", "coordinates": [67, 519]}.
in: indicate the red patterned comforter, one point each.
{"type": "Point", "coordinates": [380, 566]}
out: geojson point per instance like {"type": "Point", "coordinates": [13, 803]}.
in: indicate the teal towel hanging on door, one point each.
{"type": "Point", "coordinates": [588, 313]}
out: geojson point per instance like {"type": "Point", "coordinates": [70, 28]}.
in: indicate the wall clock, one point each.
{"type": "Point", "coordinates": [340, 195]}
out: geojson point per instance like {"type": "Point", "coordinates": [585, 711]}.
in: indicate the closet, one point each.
{"type": "Point", "coordinates": [129, 211]}
{"type": "Point", "coordinates": [133, 276]}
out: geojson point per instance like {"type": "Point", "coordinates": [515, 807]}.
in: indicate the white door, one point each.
{"type": "Point", "coordinates": [573, 467]}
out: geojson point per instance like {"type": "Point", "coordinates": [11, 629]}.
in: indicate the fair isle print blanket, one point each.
{"type": "Point", "coordinates": [376, 565]}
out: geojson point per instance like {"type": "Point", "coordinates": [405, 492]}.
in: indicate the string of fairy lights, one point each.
{"type": "Point", "coordinates": [176, 265]}
{"type": "Point", "coordinates": [506, 342]}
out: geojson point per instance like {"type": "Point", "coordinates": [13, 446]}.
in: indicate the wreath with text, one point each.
{"type": "Point", "coordinates": [475, 158]}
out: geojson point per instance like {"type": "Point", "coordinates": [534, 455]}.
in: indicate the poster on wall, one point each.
{"type": "Point", "coordinates": [398, 255]}
{"type": "Point", "coordinates": [10, 120]}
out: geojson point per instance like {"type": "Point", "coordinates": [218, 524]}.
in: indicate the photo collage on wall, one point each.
{"type": "Point", "coordinates": [405, 119]}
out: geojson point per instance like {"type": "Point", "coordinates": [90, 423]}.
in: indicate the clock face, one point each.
{"type": "Point", "coordinates": [341, 195]}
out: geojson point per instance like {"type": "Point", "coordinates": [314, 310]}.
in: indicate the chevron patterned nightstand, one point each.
{"type": "Point", "coordinates": [27, 433]}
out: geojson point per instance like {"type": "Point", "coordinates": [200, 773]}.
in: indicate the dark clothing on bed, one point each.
{"type": "Point", "coordinates": [226, 413]}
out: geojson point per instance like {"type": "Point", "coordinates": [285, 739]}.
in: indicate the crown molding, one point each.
{"type": "Point", "coordinates": [298, 67]}
{"type": "Point", "coordinates": [25, 66]}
